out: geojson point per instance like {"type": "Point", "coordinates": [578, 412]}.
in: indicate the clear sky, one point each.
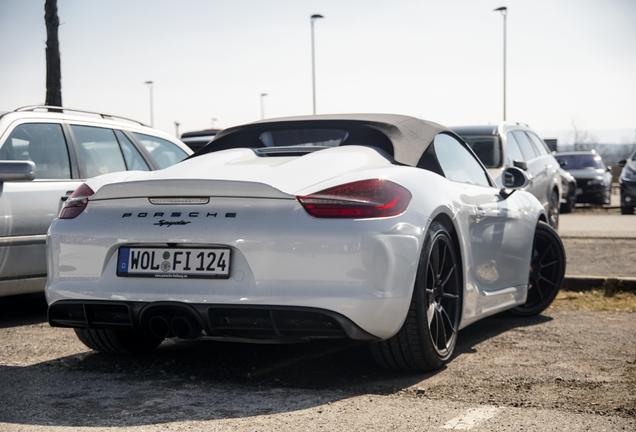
{"type": "Point", "coordinates": [569, 61]}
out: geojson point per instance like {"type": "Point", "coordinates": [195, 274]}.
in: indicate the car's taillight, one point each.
{"type": "Point", "coordinates": [361, 199]}
{"type": "Point", "coordinates": [76, 203]}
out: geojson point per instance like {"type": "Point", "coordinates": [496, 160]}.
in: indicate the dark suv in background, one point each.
{"type": "Point", "coordinates": [593, 178]}
{"type": "Point", "coordinates": [515, 144]}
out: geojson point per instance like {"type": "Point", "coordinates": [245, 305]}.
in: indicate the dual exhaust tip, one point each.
{"type": "Point", "coordinates": [181, 326]}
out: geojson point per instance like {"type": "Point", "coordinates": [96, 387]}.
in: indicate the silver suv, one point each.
{"type": "Point", "coordinates": [515, 144]}
{"type": "Point", "coordinates": [44, 156]}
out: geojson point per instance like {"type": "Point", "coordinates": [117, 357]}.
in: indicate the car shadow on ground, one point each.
{"type": "Point", "coordinates": [22, 310]}
{"type": "Point", "coordinates": [205, 380]}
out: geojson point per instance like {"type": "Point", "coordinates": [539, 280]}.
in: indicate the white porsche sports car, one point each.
{"type": "Point", "coordinates": [382, 228]}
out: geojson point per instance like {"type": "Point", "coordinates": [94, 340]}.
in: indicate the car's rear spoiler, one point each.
{"type": "Point", "coordinates": [189, 188]}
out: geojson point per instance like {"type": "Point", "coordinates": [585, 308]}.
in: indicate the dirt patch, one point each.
{"type": "Point", "coordinates": [595, 300]}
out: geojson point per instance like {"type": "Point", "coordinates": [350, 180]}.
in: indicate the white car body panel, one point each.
{"type": "Point", "coordinates": [363, 269]}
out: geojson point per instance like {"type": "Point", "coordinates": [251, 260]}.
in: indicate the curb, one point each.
{"type": "Point", "coordinates": [610, 285]}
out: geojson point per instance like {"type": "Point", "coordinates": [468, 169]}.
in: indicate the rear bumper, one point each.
{"type": "Point", "coordinates": [240, 323]}
{"type": "Point", "coordinates": [594, 195]}
{"type": "Point", "coordinates": [363, 270]}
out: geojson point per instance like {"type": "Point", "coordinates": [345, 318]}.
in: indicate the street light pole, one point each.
{"type": "Point", "coordinates": [313, 59]}
{"type": "Point", "coordinates": [151, 116]}
{"type": "Point", "coordinates": [504, 12]}
{"type": "Point", "coordinates": [263, 105]}
{"type": "Point", "coordinates": [176, 126]}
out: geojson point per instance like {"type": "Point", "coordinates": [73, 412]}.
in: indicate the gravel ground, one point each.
{"type": "Point", "coordinates": [600, 257]}
{"type": "Point", "coordinates": [575, 368]}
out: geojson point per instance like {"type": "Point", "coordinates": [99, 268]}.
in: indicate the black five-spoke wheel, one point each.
{"type": "Point", "coordinates": [547, 269]}
{"type": "Point", "coordinates": [429, 334]}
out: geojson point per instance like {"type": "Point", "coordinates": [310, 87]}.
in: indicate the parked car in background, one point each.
{"type": "Point", "coordinates": [198, 139]}
{"type": "Point", "coordinates": [44, 157]}
{"type": "Point", "coordinates": [515, 144]}
{"type": "Point", "coordinates": [593, 178]}
{"type": "Point", "coordinates": [568, 191]}
{"type": "Point", "coordinates": [627, 181]}
{"type": "Point", "coordinates": [372, 227]}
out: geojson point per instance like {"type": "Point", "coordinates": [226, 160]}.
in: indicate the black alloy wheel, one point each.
{"type": "Point", "coordinates": [428, 336]}
{"type": "Point", "coordinates": [553, 211]}
{"type": "Point", "coordinates": [547, 269]}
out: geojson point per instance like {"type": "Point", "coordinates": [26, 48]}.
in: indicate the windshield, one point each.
{"type": "Point", "coordinates": [303, 137]}
{"type": "Point", "coordinates": [580, 161]}
{"type": "Point", "coordinates": [487, 148]}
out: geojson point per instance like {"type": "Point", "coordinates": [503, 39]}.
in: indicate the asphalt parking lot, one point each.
{"type": "Point", "coordinates": [562, 370]}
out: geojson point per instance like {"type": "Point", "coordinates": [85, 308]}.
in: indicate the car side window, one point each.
{"type": "Point", "coordinates": [42, 143]}
{"type": "Point", "coordinates": [457, 162]}
{"type": "Point", "coordinates": [99, 151]}
{"type": "Point", "coordinates": [513, 152]}
{"type": "Point", "coordinates": [525, 145]}
{"type": "Point", "coordinates": [163, 151]}
{"type": "Point", "coordinates": [539, 145]}
{"type": "Point", "coordinates": [133, 158]}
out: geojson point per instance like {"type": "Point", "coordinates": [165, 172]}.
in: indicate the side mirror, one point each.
{"type": "Point", "coordinates": [513, 178]}
{"type": "Point", "coordinates": [609, 169]}
{"type": "Point", "coordinates": [562, 163]}
{"type": "Point", "coordinates": [622, 162]}
{"type": "Point", "coordinates": [16, 171]}
{"type": "Point", "coordinates": [521, 165]}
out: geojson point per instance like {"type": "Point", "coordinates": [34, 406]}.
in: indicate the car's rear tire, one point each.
{"type": "Point", "coordinates": [117, 341]}
{"type": "Point", "coordinates": [553, 210]}
{"type": "Point", "coordinates": [570, 201]}
{"type": "Point", "coordinates": [547, 269]}
{"type": "Point", "coordinates": [428, 336]}
{"type": "Point", "coordinates": [627, 210]}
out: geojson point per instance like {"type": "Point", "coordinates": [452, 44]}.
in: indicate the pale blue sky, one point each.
{"type": "Point", "coordinates": [442, 60]}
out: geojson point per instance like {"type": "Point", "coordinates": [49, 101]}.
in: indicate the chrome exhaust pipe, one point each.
{"type": "Point", "coordinates": [160, 326]}
{"type": "Point", "coordinates": [185, 327]}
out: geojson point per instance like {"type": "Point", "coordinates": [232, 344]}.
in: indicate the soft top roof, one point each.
{"type": "Point", "coordinates": [405, 138]}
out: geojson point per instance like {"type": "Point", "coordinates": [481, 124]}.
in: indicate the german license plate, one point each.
{"type": "Point", "coordinates": [175, 263]}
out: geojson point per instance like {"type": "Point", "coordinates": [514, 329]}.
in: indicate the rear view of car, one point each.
{"type": "Point", "coordinates": [593, 178]}
{"type": "Point", "coordinates": [373, 227]}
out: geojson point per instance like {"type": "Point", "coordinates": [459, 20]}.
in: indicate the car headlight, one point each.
{"type": "Point", "coordinates": [628, 174]}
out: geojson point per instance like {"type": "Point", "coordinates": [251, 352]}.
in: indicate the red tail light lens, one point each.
{"type": "Point", "coordinates": [76, 203]}
{"type": "Point", "coordinates": [362, 199]}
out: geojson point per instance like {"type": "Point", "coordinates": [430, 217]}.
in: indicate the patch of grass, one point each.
{"type": "Point", "coordinates": [596, 301]}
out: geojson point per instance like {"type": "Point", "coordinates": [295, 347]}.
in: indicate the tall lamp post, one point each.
{"type": "Point", "coordinates": [313, 59]}
{"type": "Point", "coordinates": [504, 11]}
{"type": "Point", "coordinates": [263, 105]}
{"type": "Point", "coordinates": [151, 117]}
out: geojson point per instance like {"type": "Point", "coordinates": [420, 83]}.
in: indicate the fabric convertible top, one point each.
{"type": "Point", "coordinates": [405, 138]}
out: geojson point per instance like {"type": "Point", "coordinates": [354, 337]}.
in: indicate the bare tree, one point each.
{"type": "Point", "coordinates": [582, 138]}
{"type": "Point", "coordinates": [53, 62]}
